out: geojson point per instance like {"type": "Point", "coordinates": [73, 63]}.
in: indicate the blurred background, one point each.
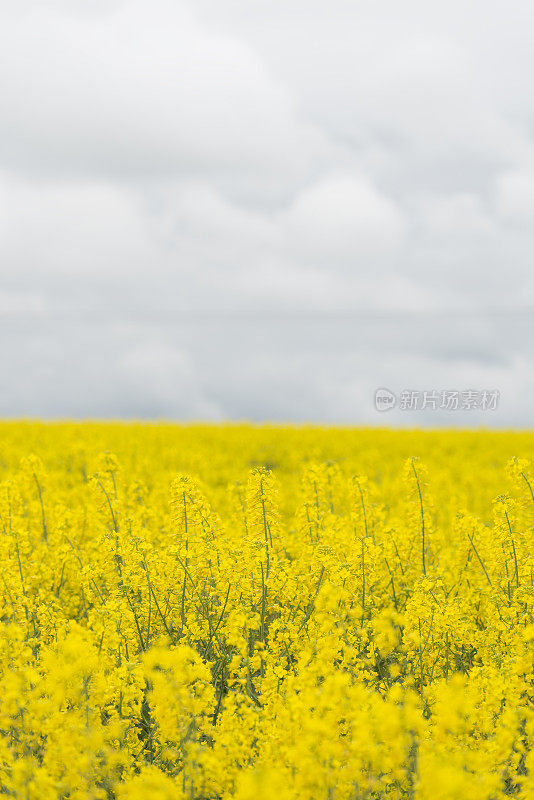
{"type": "Point", "coordinates": [230, 210]}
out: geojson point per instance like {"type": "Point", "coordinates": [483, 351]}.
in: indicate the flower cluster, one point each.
{"type": "Point", "coordinates": [207, 613]}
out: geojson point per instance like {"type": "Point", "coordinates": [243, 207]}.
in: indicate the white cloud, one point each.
{"type": "Point", "coordinates": [90, 229]}
{"type": "Point", "coordinates": [20, 304]}
{"type": "Point", "coordinates": [515, 196]}
{"type": "Point", "coordinates": [344, 217]}
{"type": "Point", "coordinates": [162, 377]}
{"type": "Point", "coordinates": [142, 92]}
{"type": "Point", "coordinates": [196, 197]}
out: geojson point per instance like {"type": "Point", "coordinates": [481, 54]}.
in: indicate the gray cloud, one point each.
{"type": "Point", "coordinates": [235, 210]}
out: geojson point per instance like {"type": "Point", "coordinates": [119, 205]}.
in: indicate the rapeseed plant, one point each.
{"type": "Point", "coordinates": [207, 613]}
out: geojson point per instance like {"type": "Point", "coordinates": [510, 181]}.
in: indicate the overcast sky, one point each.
{"type": "Point", "coordinates": [226, 209]}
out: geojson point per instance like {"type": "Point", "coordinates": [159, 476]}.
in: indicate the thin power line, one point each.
{"type": "Point", "coordinates": [110, 316]}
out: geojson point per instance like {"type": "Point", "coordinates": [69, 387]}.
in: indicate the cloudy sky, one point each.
{"type": "Point", "coordinates": [226, 209]}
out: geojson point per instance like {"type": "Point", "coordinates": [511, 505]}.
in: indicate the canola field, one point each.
{"type": "Point", "coordinates": [216, 612]}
